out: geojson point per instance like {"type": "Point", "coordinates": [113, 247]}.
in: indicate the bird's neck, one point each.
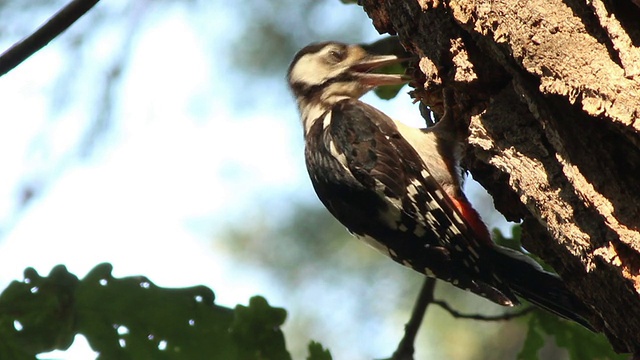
{"type": "Point", "coordinates": [314, 111]}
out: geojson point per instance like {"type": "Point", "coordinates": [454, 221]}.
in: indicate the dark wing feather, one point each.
{"type": "Point", "coordinates": [378, 157]}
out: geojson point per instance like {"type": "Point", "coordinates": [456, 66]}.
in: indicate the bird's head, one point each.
{"type": "Point", "coordinates": [326, 72]}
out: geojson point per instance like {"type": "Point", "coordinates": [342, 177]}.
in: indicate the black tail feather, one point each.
{"type": "Point", "coordinates": [546, 290]}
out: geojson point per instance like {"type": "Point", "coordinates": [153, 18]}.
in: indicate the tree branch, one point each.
{"type": "Point", "coordinates": [58, 23]}
{"type": "Point", "coordinates": [405, 348]}
{"type": "Point", "coordinates": [459, 315]}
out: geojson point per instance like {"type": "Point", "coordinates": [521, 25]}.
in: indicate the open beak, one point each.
{"type": "Point", "coordinates": [372, 62]}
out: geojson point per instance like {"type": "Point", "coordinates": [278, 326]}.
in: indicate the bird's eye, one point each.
{"type": "Point", "coordinates": [337, 55]}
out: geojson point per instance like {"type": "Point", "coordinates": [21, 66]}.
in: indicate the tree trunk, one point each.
{"type": "Point", "coordinates": [550, 89]}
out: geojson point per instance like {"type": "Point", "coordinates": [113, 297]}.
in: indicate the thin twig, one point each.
{"type": "Point", "coordinates": [405, 347]}
{"type": "Point", "coordinates": [459, 315]}
{"type": "Point", "coordinates": [58, 23]}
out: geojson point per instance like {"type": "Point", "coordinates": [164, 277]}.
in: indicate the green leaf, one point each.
{"type": "Point", "coordinates": [390, 91]}
{"type": "Point", "coordinates": [387, 92]}
{"type": "Point", "coordinates": [512, 242]}
{"type": "Point", "coordinates": [131, 318]}
{"type": "Point", "coordinates": [579, 342]}
{"type": "Point", "coordinates": [37, 314]}
{"type": "Point", "coordinates": [532, 343]}
{"type": "Point", "coordinates": [389, 45]}
{"type": "Point", "coordinates": [256, 329]}
{"type": "Point", "coordinates": [317, 352]}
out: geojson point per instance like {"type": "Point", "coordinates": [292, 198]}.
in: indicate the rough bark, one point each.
{"type": "Point", "coordinates": [551, 91]}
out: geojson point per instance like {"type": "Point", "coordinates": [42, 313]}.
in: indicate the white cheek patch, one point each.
{"type": "Point", "coordinates": [312, 70]}
{"type": "Point", "coordinates": [309, 70]}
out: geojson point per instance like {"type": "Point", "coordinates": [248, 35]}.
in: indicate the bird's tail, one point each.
{"type": "Point", "coordinates": [528, 280]}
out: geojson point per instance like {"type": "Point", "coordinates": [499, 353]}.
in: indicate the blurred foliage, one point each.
{"type": "Point", "coordinates": [276, 30]}
{"type": "Point", "coordinates": [512, 242]}
{"type": "Point", "coordinates": [308, 240]}
{"type": "Point", "coordinates": [131, 318]}
{"type": "Point", "coordinates": [317, 352]}
{"type": "Point", "coordinates": [390, 91]}
{"type": "Point", "coordinates": [328, 276]}
{"type": "Point", "coordinates": [311, 242]}
{"type": "Point", "coordinates": [389, 45]}
{"type": "Point", "coordinates": [579, 342]}
{"type": "Point", "coordinates": [253, 52]}
{"type": "Point", "coordinates": [76, 75]}
{"type": "Point", "coordinates": [257, 328]}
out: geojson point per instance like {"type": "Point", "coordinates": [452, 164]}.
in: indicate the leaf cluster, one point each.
{"type": "Point", "coordinates": [579, 342]}
{"type": "Point", "coordinates": [131, 318]}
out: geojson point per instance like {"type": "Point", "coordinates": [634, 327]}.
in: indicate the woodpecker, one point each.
{"type": "Point", "coordinates": [399, 188]}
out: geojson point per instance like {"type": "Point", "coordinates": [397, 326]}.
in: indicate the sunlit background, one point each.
{"type": "Point", "coordinates": [160, 136]}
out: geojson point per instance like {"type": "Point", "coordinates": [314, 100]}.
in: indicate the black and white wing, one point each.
{"type": "Point", "coordinates": [375, 183]}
